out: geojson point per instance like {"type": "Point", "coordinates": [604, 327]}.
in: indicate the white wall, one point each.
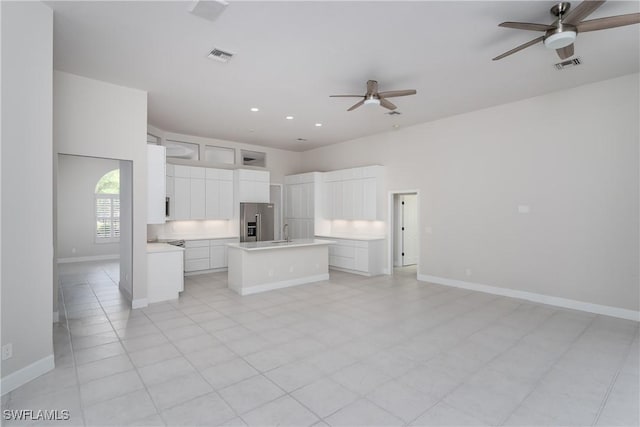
{"type": "Point", "coordinates": [27, 230]}
{"type": "Point", "coordinates": [572, 156]}
{"type": "Point", "coordinates": [77, 179]}
{"type": "Point", "coordinates": [98, 119]}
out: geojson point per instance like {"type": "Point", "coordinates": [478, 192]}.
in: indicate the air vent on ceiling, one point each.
{"type": "Point", "coordinates": [300, 139]}
{"type": "Point", "coordinates": [568, 64]}
{"type": "Point", "coordinates": [208, 9]}
{"type": "Point", "coordinates": [220, 55]}
{"type": "Point", "coordinates": [394, 113]}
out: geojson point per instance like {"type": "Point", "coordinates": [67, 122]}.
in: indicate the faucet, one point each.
{"type": "Point", "coordinates": [285, 232]}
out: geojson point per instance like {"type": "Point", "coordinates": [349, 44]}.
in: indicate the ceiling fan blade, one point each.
{"type": "Point", "coordinates": [353, 107]}
{"type": "Point", "coordinates": [345, 96]}
{"type": "Point", "coordinates": [372, 87]}
{"type": "Point", "coordinates": [392, 93]}
{"type": "Point", "coordinates": [565, 52]}
{"type": "Point", "coordinates": [519, 48]}
{"type": "Point", "coordinates": [526, 26]}
{"type": "Point", "coordinates": [387, 104]}
{"type": "Point", "coordinates": [583, 10]}
{"type": "Point", "coordinates": [608, 22]}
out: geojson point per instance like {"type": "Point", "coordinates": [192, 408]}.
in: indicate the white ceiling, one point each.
{"type": "Point", "coordinates": [290, 56]}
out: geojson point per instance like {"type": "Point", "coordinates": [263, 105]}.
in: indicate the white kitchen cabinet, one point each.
{"type": "Point", "coordinates": [354, 194]}
{"type": "Point", "coordinates": [204, 255]}
{"type": "Point", "coordinates": [199, 193]}
{"type": "Point", "coordinates": [181, 198]}
{"type": "Point", "coordinates": [165, 275]}
{"type": "Point", "coordinates": [365, 257]}
{"type": "Point", "coordinates": [156, 184]}
{"type": "Point", "coordinates": [252, 186]}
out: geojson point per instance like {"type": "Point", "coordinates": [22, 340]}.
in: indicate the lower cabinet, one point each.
{"type": "Point", "coordinates": [203, 255]}
{"type": "Point", "coordinates": [364, 257]}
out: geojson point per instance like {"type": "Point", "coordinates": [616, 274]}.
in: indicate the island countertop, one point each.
{"type": "Point", "coordinates": [279, 244]}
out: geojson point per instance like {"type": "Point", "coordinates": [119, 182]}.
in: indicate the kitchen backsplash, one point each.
{"type": "Point", "coordinates": [194, 229]}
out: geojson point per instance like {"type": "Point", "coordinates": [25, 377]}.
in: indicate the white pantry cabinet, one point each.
{"type": "Point", "coordinates": [252, 185]}
{"type": "Point", "coordinates": [156, 183]}
{"type": "Point", "coordinates": [301, 194]}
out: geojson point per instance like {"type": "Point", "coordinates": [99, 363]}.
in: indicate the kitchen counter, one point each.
{"type": "Point", "coordinates": [351, 237]}
{"type": "Point", "coordinates": [263, 266]}
{"type": "Point", "coordinates": [153, 248]}
{"type": "Point", "coordinates": [294, 243]}
{"type": "Point", "coordinates": [167, 238]}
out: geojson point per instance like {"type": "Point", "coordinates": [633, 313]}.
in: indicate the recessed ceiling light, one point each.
{"type": "Point", "coordinates": [289, 117]}
{"type": "Point", "coordinates": [254, 109]}
{"type": "Point", "coordinates": [396, 126]}
{"type": "Point", "coordinates": [318, 125]}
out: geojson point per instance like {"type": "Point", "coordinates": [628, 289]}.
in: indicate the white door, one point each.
{"type": "Point", "coordinates": [409, 209]}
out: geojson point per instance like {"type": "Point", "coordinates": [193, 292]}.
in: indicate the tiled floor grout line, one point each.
{"type": "Point", "coordinates": [613, 382]}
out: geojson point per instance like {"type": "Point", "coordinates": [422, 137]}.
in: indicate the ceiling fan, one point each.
{"type": "Point", "coordinates": [374, 97]}
{"type": "Point", "coordinates": [561, 34]}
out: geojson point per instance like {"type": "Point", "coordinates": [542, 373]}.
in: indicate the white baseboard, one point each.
{"type": "Point", "coordinates": [347, 270]}
{"type": "Point", "coordinates": [213, 270]}
{"type": "Point", "coordinates": [26, 374]}
{"type": "Point", "coordinates": [606, 310]}
{"type": "Point", "coordinates": [88, 258]}
{"type": "Point", "coordinates": [56, 317]}
{"type": "Point", "coordinates": [139, 303]}
{"type": "Point", "coordinates": [283, 284]}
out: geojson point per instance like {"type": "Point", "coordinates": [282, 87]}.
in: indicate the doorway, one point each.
{"type": "Point", "coordinates": [404, 230]}
{"type": "Point", "coordinates": [93, 231]}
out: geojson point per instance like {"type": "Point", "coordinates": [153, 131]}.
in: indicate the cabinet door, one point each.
{"type": "Point", "coordinates": [288, 200]}
{"type": "Point", "coordinates": [226, 199]}
{"type": "Point", "coordinates": [198, 194]}
{"type": "Point", "coordinates": [261, 191]}
{"type": "Point", "coordinates": [156, 184]}
{"type": "Point", "coordinates": [212, 199]}
{"type": "Point", "coordinates": [329, 190]}
{"type": "Point", "coordinates": [358, 199]}
{"type": "Point", "coordinates": [361, 259]}
{"type": "Point", "coordinates": [369, 199]}
{"type": "Point", "coordinates": [182, 198]}
{"type": "Point", "coordinates": [338, 206]}
{"type": "Point", "coordinates": [217, 258]}
{"type": "Point", "coordinates": [348, 203]}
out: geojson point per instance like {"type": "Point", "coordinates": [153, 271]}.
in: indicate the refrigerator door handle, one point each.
{"type": "Point", "coordinates": [258, 227]}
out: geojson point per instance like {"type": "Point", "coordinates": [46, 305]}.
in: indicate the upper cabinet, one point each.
{"type": "Point", "coordinates": [354, 194]}
{"type": "Point", "coordinates": [156, 184]}
{"type": "Point", "coordinates": [252, 185]}
{"type": "Point", "coordinates": [199, 193]}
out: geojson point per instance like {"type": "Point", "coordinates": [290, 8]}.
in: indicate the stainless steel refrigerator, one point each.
{"type": "Point", "coordinates": [256, 222]}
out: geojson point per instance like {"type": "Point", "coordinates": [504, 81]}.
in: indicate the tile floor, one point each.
{"type": "Point", "coordinates": [353, 351]}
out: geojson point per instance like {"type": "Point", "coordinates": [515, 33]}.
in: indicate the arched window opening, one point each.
{"type": "Point", "coordinates": [107, 207]}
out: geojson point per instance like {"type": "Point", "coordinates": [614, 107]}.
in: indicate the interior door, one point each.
{"type": "Point", "coordinates": [409, 208]}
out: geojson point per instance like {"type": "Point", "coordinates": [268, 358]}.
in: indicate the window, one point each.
{"type": "Point", "coordinates": [107, 207]}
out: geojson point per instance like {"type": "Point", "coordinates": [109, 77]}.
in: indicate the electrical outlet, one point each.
{"type": "Point", "coordinates": [7, 351]}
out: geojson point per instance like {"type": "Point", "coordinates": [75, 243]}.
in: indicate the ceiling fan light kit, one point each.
{"type": "Point", "coordinates": [561, 34]}
{"type": "Point", "coordinates": [373, 97]}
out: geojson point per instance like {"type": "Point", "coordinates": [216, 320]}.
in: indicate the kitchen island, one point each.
{"type": "Point", "coordinates": [262, 266]}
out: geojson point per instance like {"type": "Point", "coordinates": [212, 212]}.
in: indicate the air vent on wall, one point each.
{"type": "Point", "coordinates": [220, 55]}
{"type": "Point", "coordinates": [568, 64]}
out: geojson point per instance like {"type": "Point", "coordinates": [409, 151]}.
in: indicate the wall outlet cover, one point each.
{"type": "Point", "coordinates": [7, 351]}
